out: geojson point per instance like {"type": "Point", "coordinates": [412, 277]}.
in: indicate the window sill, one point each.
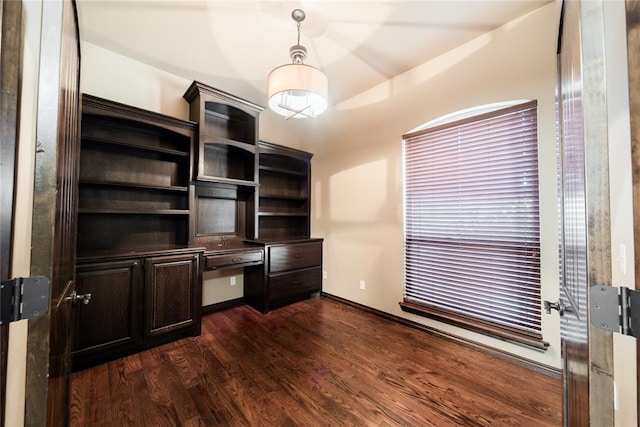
{"type": "Point", "coordinates": [485, 328]}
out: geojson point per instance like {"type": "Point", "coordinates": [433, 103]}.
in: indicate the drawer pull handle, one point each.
{"type": "Point", "coordinates": [236, 259]}
{"type": "Point", "coordinates": [296, 255]}
{"type": "Point", "coordinates": [297, 282]}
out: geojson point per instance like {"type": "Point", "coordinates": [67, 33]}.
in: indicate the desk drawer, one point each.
{"type": "Point", "coordinates": [213, 262]}
{"type": "Point", "coordinates": [291, 285]}
{"type": "Point", "coordinates": [295, 256]}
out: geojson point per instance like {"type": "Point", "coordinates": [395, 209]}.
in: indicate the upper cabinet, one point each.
{"type": "Point", "coordinates": [227, 136]}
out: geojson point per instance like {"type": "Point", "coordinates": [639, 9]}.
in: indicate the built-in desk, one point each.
{"type": "Point", "coordinates": [233, 257]}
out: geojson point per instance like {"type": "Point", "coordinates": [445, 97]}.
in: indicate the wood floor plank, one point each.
{"type": "Point", "coordinates": [121, 390]}
{"type": "Point", "coordinates": [317, 362]}
{"type": "Point", "coordinates": [89, 404]}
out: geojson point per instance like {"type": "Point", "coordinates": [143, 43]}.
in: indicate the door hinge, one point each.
{"type": "Point", "coordinates": [615, 309]}
{"type": "Point", "coordinates": [23, 298]}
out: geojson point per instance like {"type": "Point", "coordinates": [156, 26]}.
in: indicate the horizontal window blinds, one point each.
{"type": "Point", "coordinates": [472, 229]}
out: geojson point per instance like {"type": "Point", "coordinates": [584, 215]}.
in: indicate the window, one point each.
{"type": "Point", "coordinates": [472, 229]}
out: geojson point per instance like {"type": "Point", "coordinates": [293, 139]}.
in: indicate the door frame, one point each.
{"type": "Point", "coordinates": [596, 140]}
{"type": "Point", "coordinates": [10, 71]}
{"type": "Point", "coordinates": [599, 369]}
{"type": "Point", "coordinates": [633, 69]}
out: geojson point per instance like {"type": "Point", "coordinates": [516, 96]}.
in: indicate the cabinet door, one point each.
{"type": "Point", "coordinates": [110, 319]}
{"type": "Point", "coordinates": [294, 285]}
{"type": "Point", "coordinates": [294, 256]}
{"type": "Point", "coordinates": [172, 296]}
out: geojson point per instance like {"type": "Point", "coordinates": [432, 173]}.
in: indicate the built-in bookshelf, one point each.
{"type": "Point", "coordinates": [284, 195]}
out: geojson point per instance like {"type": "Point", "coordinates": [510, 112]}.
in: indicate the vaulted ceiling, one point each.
{"type": "Point", "coordinates": [234, 44]}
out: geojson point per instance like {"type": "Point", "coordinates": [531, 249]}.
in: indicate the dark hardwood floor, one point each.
{"type": "Point", "coordinates": [318, 362]}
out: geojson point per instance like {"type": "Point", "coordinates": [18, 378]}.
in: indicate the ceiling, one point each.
{"type": "Point", "coordinates": [234, 44]}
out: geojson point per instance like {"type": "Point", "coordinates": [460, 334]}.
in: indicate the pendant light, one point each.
{"type": "Point", "coordinates": [297, 90]}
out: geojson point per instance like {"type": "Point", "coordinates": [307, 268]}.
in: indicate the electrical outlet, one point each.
{"type": "Point", "coordinates": [362, 286]}
{"type": "Point", "coordinates": [232, 280]}
{"type": "Point", "coordinates": [324, 275]}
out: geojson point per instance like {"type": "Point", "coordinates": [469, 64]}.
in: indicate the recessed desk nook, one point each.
{"type": "Point", "coordinates": [163, 200]}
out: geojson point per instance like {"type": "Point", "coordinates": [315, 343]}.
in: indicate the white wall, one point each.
{"type": "Point", "coordinates": [358, 164]}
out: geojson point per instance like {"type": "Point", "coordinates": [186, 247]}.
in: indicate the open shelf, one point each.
{"type": "Point", "coordinates": [228, 181]}
{"type": "Point", "coordinates": [283, 171]}
{"type": "Point", "coordinates": [218, 140]}
{"type": "Point", "coordinates": [134, 179]}
{"type": "Point", "coordinates": [125, 232]}
{"type": "Point", "coordinates": [104, 196]}
{"type": "Point", "coordinates": [128, 133]}
{"type": "Point", "coordinates": [279, 196]}
{"type": "Point", "coordinates": [283, 227]}
{"type": "Point", "coordinates": [110, 183]}
{"type": "Point", "coordinates": [284, 206]}
{"type": "Point", "coordinates": [134, 211]}
{"type": "Point", "coordinates": [293, 163]}
{"type": "Point", "coordinates": [283, 185]}
{"type": "Point", "coordinates": [281, 214]}
{"type": "Point", "coordinates": [224, 211]}
{"type": "Point", "coordinates": [136, 146]}
{"type": "Point", "coordinates": [126, 165]}
{"type": "Point", "coordinates": [283, 202]}
{"type": "Point", "coordinates": [227, 162]}
{"type": "Point", "coordinates": [225, 120]}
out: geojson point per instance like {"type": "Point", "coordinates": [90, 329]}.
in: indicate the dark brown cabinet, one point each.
{"type": "Point", "coordinates": [135, 226]}
{"type": "Point", "coordinates": [109, 321]}
{"type": "Point", "coordinates": [172, 293]}
{"type": "Point", "coordinates": [292, 271]}
{"type": "Point", "coordinates": [292, 268]}
{"type": "Point", "coordinates": [135, 304]}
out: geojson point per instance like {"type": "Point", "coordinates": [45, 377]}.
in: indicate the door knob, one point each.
{"type": "Point", "coordinates": [548, 305]}
{"type": "Point", "coordinates": [76, 298]}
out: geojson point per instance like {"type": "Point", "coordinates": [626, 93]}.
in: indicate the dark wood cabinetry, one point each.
{"type": "Point", "coordinates": [110, 320]}
{"type": "Point", "coordinates": [172, 285]}
{"type": "Point", "coordinates": [285, 189]}
{"type": "Point", "coordinates": [292, 271]}
{"type": "Point", "coordinates": [227, 135]}
{"type": "Point", "coordinates": [162, 199]}
{"type": "Point", "coordinates": [136, 303]}
{"type": "Point", "coordinates": [226, 164]}
{"type": "Point", "coordinates": [134, 231]}
{"type": "Point", "coordinates": [134, 179]}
